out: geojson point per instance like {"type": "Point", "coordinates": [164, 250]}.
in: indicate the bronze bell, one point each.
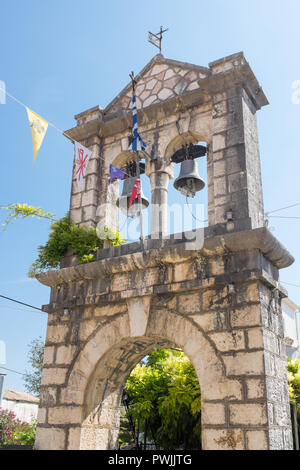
{"type": "Point", "coordinates": [124, 200]}
{"type": "Point", "coordinates": [189, 181]}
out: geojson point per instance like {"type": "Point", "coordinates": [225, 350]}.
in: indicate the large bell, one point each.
{"type": "Point", "coordinates": [189, 181]}
{"type": "Point", "coordinates": [124, 200]}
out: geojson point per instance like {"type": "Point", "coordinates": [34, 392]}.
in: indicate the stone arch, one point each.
{"type": "Point", "coordinates": [122, 158]}
{"type": "Point", "coordinates": [186, 138]}
{"type": "Point", "coordinates": [107, 211]}
{"type": "Point", "coordinates": [100, 370]}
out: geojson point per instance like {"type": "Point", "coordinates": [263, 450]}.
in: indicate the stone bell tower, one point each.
{"type": "Point", "coordinates": [220, 303]}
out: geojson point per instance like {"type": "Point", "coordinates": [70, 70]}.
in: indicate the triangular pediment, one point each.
{"type": "Point", "coordinates": [161, 80]}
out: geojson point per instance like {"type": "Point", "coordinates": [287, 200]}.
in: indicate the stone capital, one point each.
{"type": "Point", "coordinates": [233, 71]}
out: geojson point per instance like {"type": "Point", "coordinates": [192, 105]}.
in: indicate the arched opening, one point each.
{"type": "Point", "coordinates": [100, 370]}
{"type": "Point", "coordinates": [102, 400]}
{"type": "Point", "coordinates": [110, 395]}
{"type": "Point", "coordinates": [161, 404]}
{"type": "Point", "coordinates": [186, 212]}
{"type": "Point", "coordinates": [128, 226]}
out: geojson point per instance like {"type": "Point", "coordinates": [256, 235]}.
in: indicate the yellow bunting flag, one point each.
{"type": "Point", "coordinates": [38, 130]}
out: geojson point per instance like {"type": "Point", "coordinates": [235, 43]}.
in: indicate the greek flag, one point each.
{"type": "Point", "coordinates": [137, 143]}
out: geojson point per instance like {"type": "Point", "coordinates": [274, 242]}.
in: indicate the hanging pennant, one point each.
{"type": "Point", "coordinates": [115, 172]}
{"type": "Point", "coordinates": [39, 128]}
{"type": "Point", "coordinates": [82, 156]}
{"type": "Point", "coordinates": [136, 191]}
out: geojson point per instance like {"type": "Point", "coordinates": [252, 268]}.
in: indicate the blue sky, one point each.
{"type": "Point", "coordinates": [62, 57]}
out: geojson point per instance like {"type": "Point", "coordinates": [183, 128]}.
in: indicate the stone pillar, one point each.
{"type": "Point", "coordinates": [276, 385]}
{"type": "Point", "coordinates": [83, 204]}
{"type": "Point", "coordinates": [107, 210]}
{"type": "Point", "coordinates": [234, 165]}
{"type": "Point", "coordinates": [159, 178]}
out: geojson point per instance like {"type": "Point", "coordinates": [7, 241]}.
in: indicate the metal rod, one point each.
{"type": "Point", "coordinates": [2, 376]}
{"type": "Point", "coordinates": [138, 174]}
{"type": "Point", "coordinates": [295, 426]}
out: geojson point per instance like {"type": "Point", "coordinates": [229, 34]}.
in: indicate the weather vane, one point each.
{"type": "Point", "coordinates": [156, 39]}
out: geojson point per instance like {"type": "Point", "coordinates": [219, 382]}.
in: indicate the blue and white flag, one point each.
{"type": "Point", "coordinates": [115, 172]}
{"type": "Point", "coordinates": [137, 143]}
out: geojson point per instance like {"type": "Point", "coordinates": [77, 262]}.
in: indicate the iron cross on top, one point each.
{"type": "Point", "coordinates": [156, 39]}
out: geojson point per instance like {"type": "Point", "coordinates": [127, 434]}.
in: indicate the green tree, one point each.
{"type": "Point", "coordinates": [293, 372]}
{"type": "Point", "coordinates": [32, 380]}
{"type": "Point", "coordinates": [164, 401]}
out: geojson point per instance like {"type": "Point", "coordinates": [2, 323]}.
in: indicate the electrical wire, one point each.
{"type": "Point", "coordinates": [281, 209]}
{"type": "Point", "coordinates": [11, 370]}
{"type": "Point", "coordinates": [289, 284]}
{"type": "Point", "coordinates": [22, 303]}
{"type": "Point", "coordinates": [19, 309]}
{"type": "Point", "coordinates": [282, 217]}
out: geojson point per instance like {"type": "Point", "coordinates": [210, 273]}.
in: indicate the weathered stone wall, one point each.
{"type": "Point", "coordinates": [220, 303]}
{"type": "Point", "coordinates": [233, 337]}
{"type": "Point", "coordinates": [216, 105]}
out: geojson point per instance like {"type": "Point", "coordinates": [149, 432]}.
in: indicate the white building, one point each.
{"type": "Point", "coordinates": [24, 405]}
{"type": "Point", "coordinates": [291, 333]}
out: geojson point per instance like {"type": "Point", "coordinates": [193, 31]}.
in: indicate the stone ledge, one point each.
{"type": "Point", "coordinates": [240, 74]}
{"type": "Point", "coordinates": [171, 287]}
{"type": "Point", "coordinates": [117, 260]}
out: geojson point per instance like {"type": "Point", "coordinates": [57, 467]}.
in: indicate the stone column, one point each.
{"type": "Point", "coordinates": [159, 175]}
{"type": "Point", "coordinates": [83, 204]}
{"type": "Point", "coordinates": [234, 160]}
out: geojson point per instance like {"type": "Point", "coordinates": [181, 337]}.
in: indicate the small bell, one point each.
{"type": "Point", "coordinates": [189, 181]}
{"type": "Point", "coordinates": [124, 200]}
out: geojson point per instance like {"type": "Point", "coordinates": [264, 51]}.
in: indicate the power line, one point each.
{"type": "Point", "coordinates": [19, 309]}
{"type": "Point", "coordinates": [289, 284]}
{"type": "Point", "coordinates": [22, 303]}
{"type": "Point", "coordinates": [11, 370]}
{"type": "Point", "coordinates": [281, 209]}
{"type": "Point", "coordinates": [282, 217]}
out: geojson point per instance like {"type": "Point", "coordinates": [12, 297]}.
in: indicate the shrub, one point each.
{"type": "Point", "coordinates": [15, 431]}
{"type": "Point", "coordinates": [65, 236]}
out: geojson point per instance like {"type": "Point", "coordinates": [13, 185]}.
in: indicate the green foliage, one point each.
{"type": "Point", "coordinates": [293, 372]}
{"type": "Point", "coordinates": [25, 434]}
{"type": "Point", "coordinates": [164, 398]}
{"type": "Point", "coordinates": [24, 210]}
{"type": "Point", "coordinates": [15, 431]}
{"type": "Point", "coordinates": [125, 432]}
{"type": "Point", "coordinates": [65, 237]}
{"type": "Point", "coordinates": [111, 235]}
{"type": "Point", "coordinates": [32, 380]}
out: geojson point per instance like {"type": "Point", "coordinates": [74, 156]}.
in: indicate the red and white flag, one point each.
{"type": "Point", "coordinates": [82, 156]}
{"type": "Point", "coordinates": [136, 191]}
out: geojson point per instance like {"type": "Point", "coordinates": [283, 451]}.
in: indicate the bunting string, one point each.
{"type": "Point", "coordinates": [26, 107]}
{"type": "Point", "coordinates": [40, 129]}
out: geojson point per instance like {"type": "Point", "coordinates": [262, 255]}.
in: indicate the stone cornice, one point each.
{"type": "Point", "coordinates": [240, 76]}
{"type": "Point", "coordinates": [224, 73]}
{"type": "Point", "coordinates": [119, 122]}
{"type": "Point", "coordinates": [112, 262]}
